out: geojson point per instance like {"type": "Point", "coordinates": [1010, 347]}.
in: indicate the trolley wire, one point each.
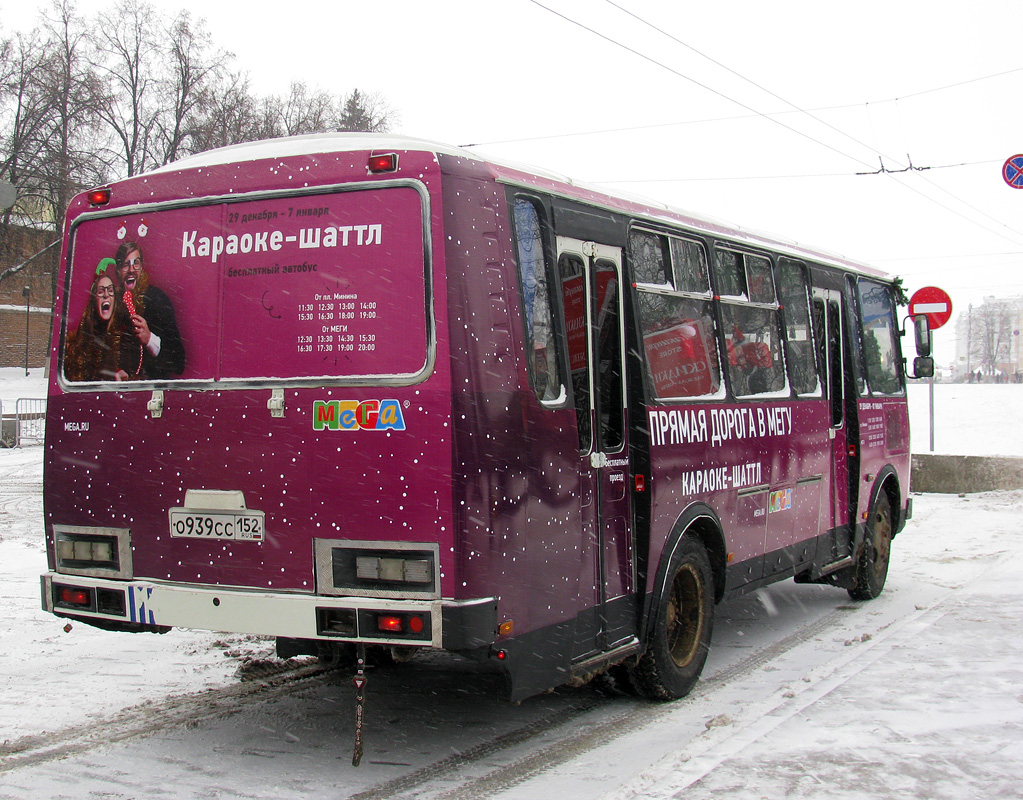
{"type": "Point", "coordinates": [1000, 228]}
{"type": "Point", "coordinates": [881, 155]}
{"type": "Point", "coordinates": [704, 86]}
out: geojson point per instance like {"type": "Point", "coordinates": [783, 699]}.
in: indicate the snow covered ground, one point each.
{"type": "Point", "coordinates": [918, 694]}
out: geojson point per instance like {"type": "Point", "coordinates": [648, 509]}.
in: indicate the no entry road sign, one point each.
{"type": "Point", "coordinates": [1012, 171]}
{"type": "Point", "coordinates": [934, 303]}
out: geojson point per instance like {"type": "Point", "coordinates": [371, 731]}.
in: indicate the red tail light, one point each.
{"type": "Point", "coordinates": [392, 624]}
{"type": "Point", "coordinates": [76, 597]}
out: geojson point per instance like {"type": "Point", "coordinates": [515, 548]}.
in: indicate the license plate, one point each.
{"type": "Point", "coordinates": [239, 526]}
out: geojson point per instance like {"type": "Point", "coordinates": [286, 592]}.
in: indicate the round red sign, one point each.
{"type": "Point", "coordinates": [934, 303]}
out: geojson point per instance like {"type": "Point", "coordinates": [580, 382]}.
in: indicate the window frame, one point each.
{"type": "Point", "coordinates": [898, 367]}
{"type": "Point", "coordinates": [727, 301]}
{"type": "Point", "coordinates": [804, 272]}
{"type": "Point", "coordinates": [557, 340]}
{"type": "Point", "coordinates": [705, 299]}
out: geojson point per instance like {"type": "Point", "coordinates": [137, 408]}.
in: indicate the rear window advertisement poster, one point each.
{"type": "Point", "coordinates": [284, 288]}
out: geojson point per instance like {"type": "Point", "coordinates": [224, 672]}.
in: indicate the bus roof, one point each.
{"type": "Point", "coordinates": [517, 174]}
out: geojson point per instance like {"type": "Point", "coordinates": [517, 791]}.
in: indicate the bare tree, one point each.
{"type": "Point", "coordinates": [305, 111]}
{"type": "Point", "coordinates": [24, 128]}
{"type": "Point", "coordinates": [129, 54]}
{"type": "Point", "coordinates": [194, 69]}
{"type": "Point", "coordinates": [70, 160]}
{"type": "Point", "coordinates": [229, 115]}
{"type": "Point", "coordinates": [234, 115]}
{"type": "Point", "coordinates": [364, 112]}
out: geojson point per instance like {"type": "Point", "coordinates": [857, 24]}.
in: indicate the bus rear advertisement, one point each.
{"type": "Point", "coordinates": [358, 391]}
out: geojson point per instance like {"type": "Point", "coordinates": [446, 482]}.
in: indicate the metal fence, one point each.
{"type": "Point", "coordinates": [27, 425]}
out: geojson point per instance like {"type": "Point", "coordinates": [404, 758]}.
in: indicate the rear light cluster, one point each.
{"type": "Point", "coordinates": [75, 597]}
{"type": "Point", "coordinates": [394, 570]}
{"type": "Point", "coordinates": [81, 552]}
{"type": "Point", "coordinates": [81, 598]}
{"type": "Point", "coordinates": [415, 626]}
{"type": "Point", "coordinates": [87, 551]}
{"type": "Point", "coordinates": [400, 623]}
{"type": "Point", "coordinates": [377, 569]}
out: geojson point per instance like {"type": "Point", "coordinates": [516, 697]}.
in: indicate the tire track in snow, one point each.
{"type": "Point", "coordinates": [676, 772]}
{"type": "Point", "coordinates": [149, 718]}
{"type": "Point", "coordinates": [589, 734]}
{"type": "Point", "coordinates": [712, 741]}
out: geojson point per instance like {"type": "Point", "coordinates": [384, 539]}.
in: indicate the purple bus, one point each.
{"type": "Point", "coordinates": [355, 390]}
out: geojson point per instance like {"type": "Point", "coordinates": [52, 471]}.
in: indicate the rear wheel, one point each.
{"type": "Point", "coordinates": [872, 564]}
{"type": "Point", "coordinates": [684, 619]}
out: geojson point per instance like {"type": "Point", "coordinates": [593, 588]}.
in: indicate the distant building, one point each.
{"type": "Point", "coordinates": [988, 340]}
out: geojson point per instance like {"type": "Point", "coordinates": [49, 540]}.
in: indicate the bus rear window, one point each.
{"type": "Point", "coordinates": [326, 286]}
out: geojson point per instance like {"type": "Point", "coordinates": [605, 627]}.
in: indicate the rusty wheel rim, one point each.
{"type": "Point", "coordinates": [684, 615]}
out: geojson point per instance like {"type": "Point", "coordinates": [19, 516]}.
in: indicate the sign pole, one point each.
{"type": "Point", "coordinates": [936, 305]}
{"type": "Point", "coordinates": [931, 392]}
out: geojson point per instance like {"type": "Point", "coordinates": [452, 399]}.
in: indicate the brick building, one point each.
{"type": "Point", "coordinates": [31, 310]}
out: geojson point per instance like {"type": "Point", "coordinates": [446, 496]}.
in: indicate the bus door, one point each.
{"type": "Point", "coordinates": [591, 284]}
{"type": "Point", "coordinates": [829, 313]}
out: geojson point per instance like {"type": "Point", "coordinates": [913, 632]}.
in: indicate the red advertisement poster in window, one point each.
{"type": "Point", "coordinates": [678, 361]}
{"type": "Point", "coordinates": [574, 291]}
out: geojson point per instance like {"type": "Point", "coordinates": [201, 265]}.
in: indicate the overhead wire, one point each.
{"type": "Point", "coordinates": [781, 177]}
{"type": "Point", "coordinates": [796, 108]}
{"type": "Point", "coordinates": [735, 117]}
{"type": "Point", "coordinates": [682, 75]}
{"type": "Point", "coordinates": [881, 155]}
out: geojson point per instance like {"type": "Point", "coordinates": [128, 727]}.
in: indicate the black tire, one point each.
{"type": "Point", "coordinates": [683, 623]}
{"type": "Point", "coordinates": [872, 564]}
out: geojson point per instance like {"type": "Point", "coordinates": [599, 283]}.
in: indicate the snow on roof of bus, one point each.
{"type": "Point", "coordinates": [308, 145]}
{"type": "Point", "coordinates": [314, 143]}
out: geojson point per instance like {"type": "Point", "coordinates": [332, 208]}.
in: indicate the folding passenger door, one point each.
{"type": "Point", "coordinates": [591, 284]}
{"type": "Point", "coordinates": [829, 314]}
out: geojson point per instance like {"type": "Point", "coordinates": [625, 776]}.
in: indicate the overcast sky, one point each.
{"type": "Point", "coordinates": [758, 113]}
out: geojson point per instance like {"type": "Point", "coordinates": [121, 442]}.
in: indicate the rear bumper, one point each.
{"type": "Point", "coordinates": [151, 605]}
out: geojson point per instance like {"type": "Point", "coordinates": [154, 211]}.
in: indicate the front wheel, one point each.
{"type": "Point", "coordinates": [684, 619]}
{"type": "Point", "coordinates": [872, 564]}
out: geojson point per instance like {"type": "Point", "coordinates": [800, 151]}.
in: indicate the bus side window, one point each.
{"type": "Point", "coordinates": [799, 339]}
{"type": "Point", "coordinates": [881, 357]}
{"type": "Point", "coordinates": [854, 334]}
{"type": "Point", "coordinates": [752, 323]}
{"type": "Point", "coordinates": [534, 279]}
{"type": "Point", "coordinates": [753, 339]}
{"type": "Point", "coordinates": [820, 338]}
{"type": "Point", "coordinates": [676, 315]}
{"type": "Point", "coordinates": [729, 274]}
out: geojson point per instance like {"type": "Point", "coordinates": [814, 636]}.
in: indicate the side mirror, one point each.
{"type": "Point", "coordinates": [923, 367]}
{"type": "Point", "coordinates": [922, 329]}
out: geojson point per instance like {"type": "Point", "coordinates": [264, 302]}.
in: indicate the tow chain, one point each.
{"type": "Point", "coordinates": [360, 701]}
